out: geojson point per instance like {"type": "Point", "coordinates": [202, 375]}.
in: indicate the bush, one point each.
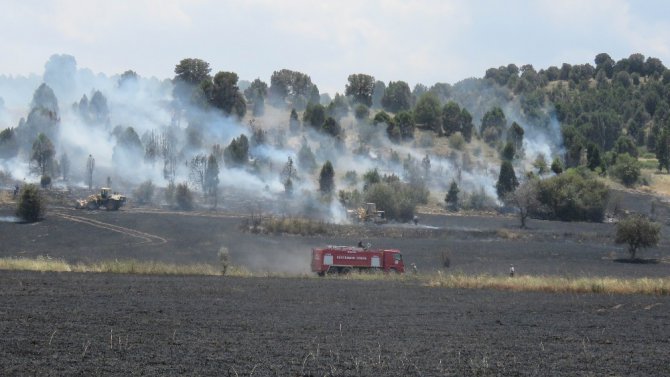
{"type": "Point", "coordinates": [626, 169]}
{"type": "Point", "coordinates": [45, 181]}
{"type": "Point", "coordinates": [398, 200]}
{"type": "Point", "coordinates": [572, 196]}
{"type": "Point", "coordinates": [479, 201]}
{"type": "Point", "coordinates": [31, 205]}
{"type": "Point", "coordinates": [184, 197]}
{"type": "Point", "coordinates": [145, 192]}
{"type": "Point", "coordinates": [637, 231]}
{"type": "Point", "coordinates": [457, 141]}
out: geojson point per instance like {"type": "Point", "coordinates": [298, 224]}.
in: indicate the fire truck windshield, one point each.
{"type": "Point", "coordinates": [397, 257]}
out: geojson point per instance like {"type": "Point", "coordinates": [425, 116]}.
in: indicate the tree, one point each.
{"type": "Point", "coordinates": [43, 153]}
{"type": "Point", "coordinates": [145, 192]}
{"type": "Point", "coordinates": [212, 179]}
{"type": "Point", "coordinates": [493, 125]}
{"type": "Point", "coordinates": [127, 79]}
{"type": "Point", "coordinates": [451, 118]}
{"type": "Point", "coordinates": [296, 87]}
{"type": "Point", "coordinates": [515, 136]}
{"type": "Point", "coordinates": [184, 197]}
{"type": "Point", "coordinates": [507, 181]}
{"type": "Point", "coordinates": [402, 126]}
{"type": "Point", "coordinates": [466, 124]}
{"type": "Point", "coordinates": [189, 73]}
{"type": "Point", "coordinates": [360, 87]}
{"type": "Point", "coordinates": [378, 94]}
{"type": "Point", "coordinates": [663, 150]}
{"type": "Point", "coordinates": [557, 166]}
{"type": "Point", "coordinates": [90, 167]}
{"type": "Point", "coordinates": [294, 121]}
{"type": "Point", "coordinates": [331, 127]}
{"type": "Point", "coordinates": [327, 178]}
{"type": "Point", "coordinates": [196, 172]}
{"type": "Point", "coordinates": [626, 169]}
{"type": "Point", "coordinates": [64, 166]}
{"type": "Point", "coordinates": [508, 152]}
{"type": "Point", "coordinates": [524, 198]}
{"type": "Point", "coordinates": [315, 115]}
{"type": "Point", "coordinates": [256, 94]}
{"type": "Point", "coordinates": [397, 97]}
{"type": "Point", "coordinates": [452, 196]}
{"type": "Point", "coordinates": [9, 145]}
{"type": "Point", "coordinates": [540, 164]}
{"type": "Point", "coordinates": [288, 174]}
{"type": "Point", "coordinates": [30, 206]}
{"type": "Point", "coordinates": [593, 159]}
{"type": "Point", "coordinates": [428, 112]}
{"type": "Point", "coordinates": [638, 232]}
{"type": "Point", "coordinates": [237, 152]}
{"type": "Point", "coordinates": [361, 112]}
{"type": "Point", "coordinates": [224, 94]}
{"type": "Point", "coordinates": [306, 158]}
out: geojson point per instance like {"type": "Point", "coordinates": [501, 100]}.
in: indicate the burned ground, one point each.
{"type": "Point", "coordinates": [99, 324]}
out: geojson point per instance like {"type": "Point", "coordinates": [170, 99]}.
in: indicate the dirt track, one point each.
{"type": "Point", "coordinates": [97, 324]}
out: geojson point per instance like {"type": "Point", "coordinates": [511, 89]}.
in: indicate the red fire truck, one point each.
{"type": "Point", "coordinates": [344, 259]}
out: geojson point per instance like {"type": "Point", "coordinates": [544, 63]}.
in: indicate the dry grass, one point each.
{"type": "Point", "coordinates": [554, 284]}
{"type": "Point", "coordinates": [660, 182]}
{"type": "Point", "coordinates": [547, 284]}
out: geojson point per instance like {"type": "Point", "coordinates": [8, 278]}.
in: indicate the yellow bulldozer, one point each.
{"type": "Point", "coordinates": [367, 213]}
{"type": "Point", "coordinates": [107, 199]}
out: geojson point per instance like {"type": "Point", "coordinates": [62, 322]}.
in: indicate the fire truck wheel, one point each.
{"type": "Point", "coordinates": [346, 271]}
{"type": "Point", "coordinates": [322, 274]}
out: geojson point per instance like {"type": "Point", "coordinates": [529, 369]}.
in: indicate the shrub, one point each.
{"type": "Point", "coordinates": [184, 197]}
{"type": "Point", "coordinates": [637, 231]}
{"type": "Point", "coordinates": [626, 169]}
{"type": "Point", "coordinates": [398, 200]}
{"type": "Point", "coordinates": [572, 196]}
{"type": "Point", "coordinates": [45, 181]}
{"type": "Point", "coordinates": [145, 192]}
{"type": "Point", "coordinates": [457, 141]}
{"type": "Point", "coordinates": [478, 200]}
{"type": "Point", "coordinates": [31, 205]}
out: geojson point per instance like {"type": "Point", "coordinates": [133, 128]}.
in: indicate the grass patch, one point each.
{"type": "Point", "coordinates": [128, 266]}
{"type": "Point", "coordinates": [546, 284]}
{"type": "Point", "coordinates": [290, 225]}
{"type": "Point", "coordinates": [554, 284]}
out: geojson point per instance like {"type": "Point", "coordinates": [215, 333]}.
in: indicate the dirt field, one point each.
{"type": "Point", "coordinates": [98, 324]}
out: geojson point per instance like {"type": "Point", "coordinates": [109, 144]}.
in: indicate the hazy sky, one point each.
{"type": "Point", "coordinates": [415, 41]}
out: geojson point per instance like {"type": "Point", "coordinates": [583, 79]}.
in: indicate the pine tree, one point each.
{"type": "Point", "coordinates": [663, 151]}
{"type": "Point", "coordinates": [326, 178]}
{"type": "Point", "coordinates": [507, 181]}
{"type": "Point", "coordinates": [452, 196]}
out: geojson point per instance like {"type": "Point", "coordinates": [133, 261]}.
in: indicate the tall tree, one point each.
{"type": "Point", "coordinates": [493, 125]}
{"type": "Point", "coordinates": [43, 153]}
{"type": "Point", "coordinates": [397, 97]}
{"type": "Point", "coordinates": [663, 150]}
{"type": "Point", "coordinates": [189, 73]}
{"type": "Point", "coordinates": [256, 94]}
{"type": "Point", "coordinates": [428, 112]}
{"type": "Point", "coordinates": [327, 178]}
{"type": "Point", "coordinates": [452, 196]}
{"type": "Point", "coordinates": [360, 87]}
{"type": "Point", "coordinates": [507, 181]}
{"type": "Point", "coordinates": [212, 179]}
{"type": "Point", "coordinates": [90, 167]}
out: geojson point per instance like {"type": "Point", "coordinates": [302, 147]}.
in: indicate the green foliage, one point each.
{"type": "Point", "coordinates": [625, 144]}
{"type": "Point", "coordinates": [306, 158]}
{"type": "Point", "coordinates": [43, 153]}
{"type": "Point", "coordinates": [428, 112]}
{"type": "Point", "coordinates": [237, 152]}
{"type": "Point", "coordinates": [402, 127]}
{"type": "Point", "coordinates": [515, 136]}
{"type": "Point", "coordinates": [327, 178]}
{"type": "Point", "coordinates": [360, 87]}
{"type": "Point", "coordinates": [382, 117]}
{"type": "Point", "coordinates": [557, 166]}
{"type": "Point", "coordinates": [572, 196]}
{"type": "Point", "coordinates": [9, 146]}
{"type": "Point", "coordinates": [370, 178]}
{"type": "Point", "coordinates": [397, 97]}
{"type": "Point", "coordinates": [224, 94]}
{"type": "Point", "coordinates": [493, 125]}
{"type": "Point", "coordinates": [626, 169]}
{"type": "Point", "coordinates": [315, 115]}
{"type": "Point", "coordinates": [331, 127]}
{"type": "Point", "coordinates": [451, 199]}
{"type": "Point", "coordinates": [508, 152]}
{"type": "Point", "coordinates": [663, 151]}
{"type": "Point", "coordinates": [540, 164]}
{"type": "Point", "coordinates": [30, 205]}
{"type": "Point", "coordinates": [361, 112]}
{"type": "Point", "coordinates": [638, 232]}
{"type": "Point", "coordinates": [457, 141]}
{"type": "Point", "coordinates": [507, 181]}
{"type": "Point", "coordinates": [593, 159]}
{"type": "Point", "coordinates": [212, 176]}
{"type": "Point", "coordinates": [338, 107]}
{"type": "Point", "coordinates": [256, 94]}
{"type": "Point", "coordinates": [395, 198]}
{"type": "Point", "coordinates": [144, 192]}
{"type": "Point", "coordinates": [292, 86]}
{"type": "Point", "coordinates": [184, 197]}
{"type": "Point", "coordinates": [294, 121]}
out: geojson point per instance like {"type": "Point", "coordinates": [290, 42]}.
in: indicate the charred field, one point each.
{"type": "Point", "coordinates": [110, 324]}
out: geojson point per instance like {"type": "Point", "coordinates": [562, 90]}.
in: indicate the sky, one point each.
{"type": "Point", "coordinates": [422, 41]}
